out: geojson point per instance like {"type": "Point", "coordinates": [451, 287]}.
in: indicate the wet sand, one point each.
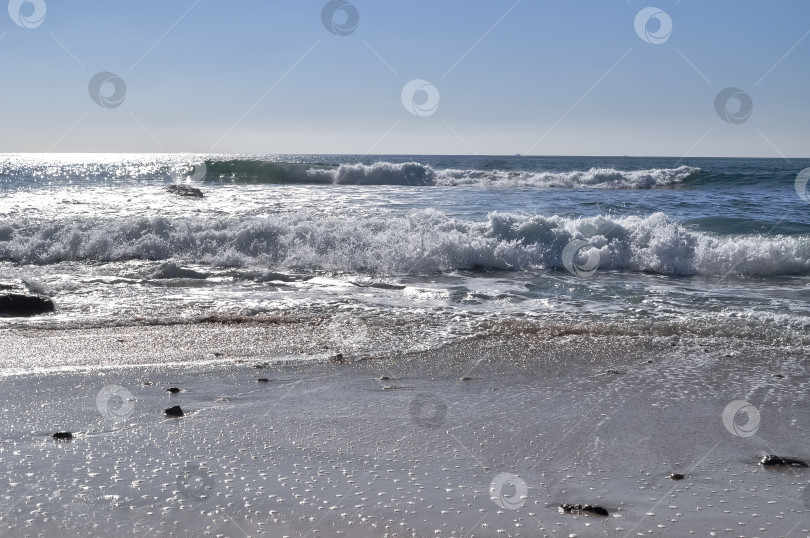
{"type": "Point", "coordinates": [484, 437]}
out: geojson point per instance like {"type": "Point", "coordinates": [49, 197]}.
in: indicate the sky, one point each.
{"type": "Point", "coordinates": [542, 77]}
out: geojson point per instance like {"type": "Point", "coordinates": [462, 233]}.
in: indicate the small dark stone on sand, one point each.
{"type": "Point", "coordinates": [173, 390]}
{"type": "Point", "coordinates": [63, 436]}
{"type": "Point", "coordinates": [780, 461]}
{"type": "Point", "coordinates": [466, 379]}
{"type": "Point", "coordinates": [185, 190]}
{"type": "Point", "coordinates": [174, 411]}
{"type": "Point", "coordinates": [676, 476]}
{"type": "Point", "coordinates": [338, 357]}
{"type": "Point", "coordinates": [263, 380]}
{"type": "Point", "coordinates": [384, 378]}
{"type": "Point", "coordinates": [582, 509]}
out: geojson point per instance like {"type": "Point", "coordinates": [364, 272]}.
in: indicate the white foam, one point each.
{"type": "Point", "coordinates": [413, 173]}
{"type": "Point", "coordinates": [420, 242]}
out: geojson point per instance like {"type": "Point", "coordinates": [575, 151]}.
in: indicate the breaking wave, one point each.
{"type": "Point", "coordinates": [420, 242]}
{"type": "Point", "coordinates": [417, 174]}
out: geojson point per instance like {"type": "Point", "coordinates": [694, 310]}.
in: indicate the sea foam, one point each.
{"type": "Point", "coordinates": [418, 242]}
{"type": "Point", "coordinates": [418, 174]}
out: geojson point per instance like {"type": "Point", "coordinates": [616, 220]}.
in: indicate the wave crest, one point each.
{"type": "Point", "coordinates": [421, 242]}
{"type": "Point", "coordinates": [417, 174]}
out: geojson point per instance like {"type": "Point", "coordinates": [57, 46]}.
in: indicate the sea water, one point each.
{"type": "Point", "coordinates": [715, 247]}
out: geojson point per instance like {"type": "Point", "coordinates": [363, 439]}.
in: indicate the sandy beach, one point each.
{"type": "Point", "coordinates": [486, 437]}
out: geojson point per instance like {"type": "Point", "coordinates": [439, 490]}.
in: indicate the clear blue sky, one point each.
{"type": "Point", "coordinates": [266, 76]}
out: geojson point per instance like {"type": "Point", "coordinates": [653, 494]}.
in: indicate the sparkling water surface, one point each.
{"type": "Point", "coordinates": [715, 245]}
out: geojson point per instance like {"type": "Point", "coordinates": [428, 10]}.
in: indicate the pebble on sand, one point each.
{"type": "Point", "coordinates": [63, 436]}
{"type": "Point", "coordinates": [174, 411]}
{"type": "Point", "coordinates": [780, 461]}
{"type": "Point", "coordinates": [582, 509]}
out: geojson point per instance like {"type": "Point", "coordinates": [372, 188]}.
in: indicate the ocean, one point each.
{"type": "Point", "coordinates": [405, 345]}
{"type": "Point", "coordinates": [710, 247]}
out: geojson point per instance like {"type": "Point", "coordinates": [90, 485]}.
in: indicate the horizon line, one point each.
{"type": "Point", "coordinates": [54, 153]}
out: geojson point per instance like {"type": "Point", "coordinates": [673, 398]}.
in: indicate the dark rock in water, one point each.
{"type": "Point", "coordinates": [677, 476]}
{"type": "Point", "coordinates": [63, 436]}
{"type": "Point", "coordinates": [16, 304]}
{"type": "Point", "coordinates": [170, 270]}
{"type": "Point", "coordinates": [185, 190]}
{"type": "Point", "coordinates": [174, 411]}
{"type": "Point", "coordinates": [19, 300]}
{"type": "Point", "coordinates": [263, 380]}
{"type": "Point", "coordinates": [582, 509]}
{"type": "Point", "coordinates": [173, 390]}
{"type": "Point", "coordinates": [384, 378]}
{"type": "Point", "coordinates": [338, 357]}
{"type": "Point", "coordinates": [781, 461]}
